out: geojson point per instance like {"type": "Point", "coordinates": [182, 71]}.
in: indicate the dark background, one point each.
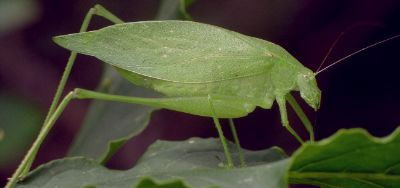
{"type": "Point", "coordinates": [362, 92]}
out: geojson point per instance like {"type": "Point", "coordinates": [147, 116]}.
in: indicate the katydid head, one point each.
{"type": "Point", "coordinates": [308, 87]}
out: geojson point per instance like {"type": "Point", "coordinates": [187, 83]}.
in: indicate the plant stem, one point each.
{"type": "Point", "coordinates": [237, 143]}
{"type": "Point", "coordinates": [300, 113]}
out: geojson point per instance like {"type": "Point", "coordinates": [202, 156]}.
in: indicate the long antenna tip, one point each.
{"type": "Point", "coordinates": [357, 52]}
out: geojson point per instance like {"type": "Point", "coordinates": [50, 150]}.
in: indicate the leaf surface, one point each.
{"type": "Point", "coordinates": [195, 163]}
{"type": "Point", "coordinates": [350, 158]}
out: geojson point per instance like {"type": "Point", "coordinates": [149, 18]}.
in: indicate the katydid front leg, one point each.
{"type": "Point", "coordinates": [281, 100]}
{"type": "Point", "coordinates": [26, 163]}
{"type": "Point", "coordinates": [300, 113]}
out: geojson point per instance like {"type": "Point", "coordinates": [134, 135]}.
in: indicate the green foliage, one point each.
{"type": "Point", "coordinates": [192, 163]}
{"type": "Point", "coordinates": [350, 158]}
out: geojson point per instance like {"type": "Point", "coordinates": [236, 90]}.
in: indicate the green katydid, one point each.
{"type": "Point", "coordinates": [201, 69]}
{"type": "Point", "coordinates": [193, 63]}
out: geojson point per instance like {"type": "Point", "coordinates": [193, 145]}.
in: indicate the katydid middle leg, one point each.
{"type": "Point", "coordinates": [237, 142]}
{"type": "Point", "coordinates": [228, 155]}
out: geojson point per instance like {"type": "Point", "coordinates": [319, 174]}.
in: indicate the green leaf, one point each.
{"type": "Point", "coordinates": [19, 123]}
{"type": "Point", "coordinates": [108, 125]}
{"type": "Point", "coordinates": [350, 158]}
{"type": "Point", "coordinates": [195, 163]}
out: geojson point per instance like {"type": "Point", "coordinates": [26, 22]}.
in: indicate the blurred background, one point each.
{"type": "Point", "coordinates": [363, 91]}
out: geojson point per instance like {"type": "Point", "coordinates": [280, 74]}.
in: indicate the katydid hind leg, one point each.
{"type": "Point", "coordinates": [86, 94]}
{"type": "Point", "coordinates": [169, 103]}
{"type": "Point", "coordinates": [199, 105]}
{"type": "Point", "coordinates": [23, 169]}
{"type": "Point", "coordinates": [281, 100]}
{"type": "Point", "coordinates": [96, 10]}
{"type": "Point", "coordinates": [30, 156]}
